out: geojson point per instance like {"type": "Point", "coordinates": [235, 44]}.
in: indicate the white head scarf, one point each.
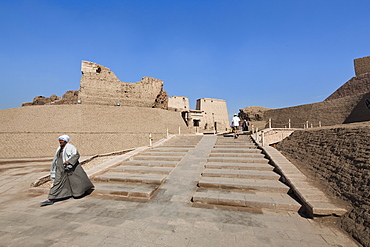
{"type": "Point", "coordinates": [64, 138]}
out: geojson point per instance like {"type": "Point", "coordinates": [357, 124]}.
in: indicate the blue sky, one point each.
{"type": "Point", "coordinates": [250, 53]}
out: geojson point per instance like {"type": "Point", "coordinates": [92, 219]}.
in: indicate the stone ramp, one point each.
{"type": "Point", "coordinates": [314, 200]}
{"type": "Point", "coordinates": [142, 175]}
{"type": "Point", "coordinates": [242, 178]}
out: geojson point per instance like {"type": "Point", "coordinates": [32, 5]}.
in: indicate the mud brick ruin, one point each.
{"type": "Point", "coordinates": [362, 65]}
{"type": "Point", "coordinates": [100, 86]}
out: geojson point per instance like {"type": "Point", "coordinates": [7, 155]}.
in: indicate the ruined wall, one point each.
{"type": "Point", "coordinates": [94, 129]}
{"type": "Point", "coordinates": [362, 65]}
{"type": "Point", "coordinates": [215, 110]}
{"type": "Point", "coordinates": [356, 85]}
{"type": "Point", "coordinates": [338, 159]}
{"type": "Point", "coordinates": [361, 112]}
{"type": "Point", "coordinates": [179, 102]}
{"type": "Point", "coordinates": [70, 97]}
{"type": "Point", "coordinates": [327, 112]}
{"type": "Point", "coordinates": [100, 86]}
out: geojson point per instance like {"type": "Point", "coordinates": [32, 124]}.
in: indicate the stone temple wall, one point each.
{"type": "Point", "coordinates": [100, 86]}
{"type": "Point", "coordinates": [214, 113]}
{"type": "Point", "coordinates": [179, 103]}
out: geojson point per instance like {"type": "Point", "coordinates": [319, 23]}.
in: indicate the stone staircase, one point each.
{"type": "Point", "coordinates": [237, 174]}
{"type": "Point", "coordinates": [142, 175]}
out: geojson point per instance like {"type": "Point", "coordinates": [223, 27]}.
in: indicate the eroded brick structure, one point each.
{"type": "Point", "coordinates": [100, 86]}
{"type": "Point", "coordinates": [362, 65]}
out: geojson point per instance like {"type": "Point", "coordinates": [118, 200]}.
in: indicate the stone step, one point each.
{"type": "Point", "coordinates": [245, 184]}
{"type": "Point", "coordinates": [232, 139]}
{"type": "Point", "coordinates": [234, 146]}
{"type": "Point", "coordinates": [129, 191]}
{"type": "Point", "coordinates": [240, 166]}
{"type": "Point", "coordinates": [235, 141]}
{"type": "Point", "coordinates": [238, 155]}
{"type": "Point", "coordinates": [278, 201]}
{"type": "Point", "coordinates": [172, 149]}
{"type": "Point", "coordinates": [178, 146]}
{"type": "Point", "coordinates": [131, 178]}
{"type": "Point", "coordinates": [157, 163]}
{"type": "Point", "coordinates": [237, 160]}
{"type": "Point", "coordinates": [143, 169]}
{"type": "Point", "coordinates": [162, 158]}
{"type": "Point", "coordinates": [236, 150]}
{"type": "Point", "coordinates": [229, 173]}
{"type": "Point", "coordinates": [158, 153]}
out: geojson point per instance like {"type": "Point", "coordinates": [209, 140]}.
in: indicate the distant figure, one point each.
{"type": "Point", "coordinates": [245, 125]}
{"type": "Point", "coordinates": [235, 125]}
{"type": "Point", "coordinates": [69, 179]}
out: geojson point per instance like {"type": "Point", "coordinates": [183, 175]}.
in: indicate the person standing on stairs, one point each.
{"type": "Point", "coordinates": [69, 179]}
{"type": "Point", "coordinates": [235, 125]}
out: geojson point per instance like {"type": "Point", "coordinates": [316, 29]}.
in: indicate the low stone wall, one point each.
{"type": "Point", "coordinates": [270, 136]}
{"type": "Point", "coordinates": [338, 160]}
{"type": "Point", "coordinates": [32, 131]}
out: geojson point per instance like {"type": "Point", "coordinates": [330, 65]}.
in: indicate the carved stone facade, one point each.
{"type": "Point", "coordinates": [215, 116]}
{"type": "Point", "coordinates": [210, 114]}
{"type": "Point", "coordinates": [178, 103]}
{"type": "Point", "coordinates": [100, 86]}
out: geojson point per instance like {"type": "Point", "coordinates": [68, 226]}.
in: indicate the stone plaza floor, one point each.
{"type": "Point", "coordinates": [168, 219]}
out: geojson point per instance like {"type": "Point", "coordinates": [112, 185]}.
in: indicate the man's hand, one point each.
{"type": "Point", "coordinates": [67, 167]}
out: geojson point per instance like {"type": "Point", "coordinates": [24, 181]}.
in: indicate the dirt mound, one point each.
{"type": "Point", "coordinates": [253, 113]}
{"type": "Point", "coordinates": [337, 159]}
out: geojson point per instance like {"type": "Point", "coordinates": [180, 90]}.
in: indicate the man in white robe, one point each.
{"type": "Point", "coordinates": [69, 179]}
